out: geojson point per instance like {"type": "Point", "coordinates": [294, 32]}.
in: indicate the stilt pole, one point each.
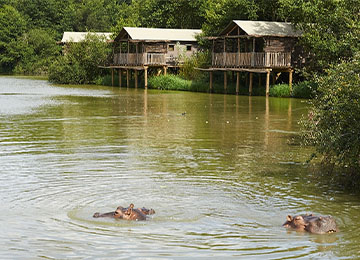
{"type": "Point", "coordinates": [290, 79]}
{"type": "Point", "coordinates": [146, 78]}
{"type": "Point", "coordinates": [136, 78]}
{"type": "Point", "coordinates": [120, 78]}
{"type": "Point", "coordinates": [237, 82]}
{"type": "Point", "coordinates": [267, 82]}
{"type": "Point", "coordinates": [250, 83]}
{"type": "Point", "coordinates": [112, 77]}
{"type": "Point", "coordinates": [127, 78]}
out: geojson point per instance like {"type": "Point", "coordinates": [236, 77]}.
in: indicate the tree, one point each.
{"type": "Point", "coordinates": [58, 16]}
{"type": "Point", "coordinates": [80, 63]}
{"type": "Point", "coordinates": [97, 15]}
{"type": "Point", "coordinates": [173, 14]}
{"type": "Point", "coordinates": [331, 29]}
{"type": "Point", "coordinates": [333, 121]}
{"type": "Point", "coordinates": [220, 13]}
{"type": "Point", "coordinates": [38, 49]}
{"type": "Point", "coordinates": [12, 25]}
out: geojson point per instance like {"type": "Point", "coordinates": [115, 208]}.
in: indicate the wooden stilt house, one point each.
{"type": "Point", "coordinates": [153, 46]}
{"type": "Point", "coordinates": [138, 49]}
{"type": "Point", "coordinates": [255, 47]}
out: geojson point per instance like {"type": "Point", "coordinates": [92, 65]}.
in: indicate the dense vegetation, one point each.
{"type": "Point", "coordinates": [29, 30]}
{"type": "Point", "coordinates": [81, 63]}
{"type": "Point", "coordinates": [333, 122]}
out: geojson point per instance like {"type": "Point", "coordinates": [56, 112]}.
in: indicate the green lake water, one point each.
{"type": "Point", "coordinates": [222, 173]}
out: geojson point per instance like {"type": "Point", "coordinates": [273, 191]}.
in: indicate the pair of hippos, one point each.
{"type": "Point", "coordinates": [307, 222]}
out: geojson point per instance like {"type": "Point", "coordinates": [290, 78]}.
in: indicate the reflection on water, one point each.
{"type": "Point", "coordinates": [218, 170]}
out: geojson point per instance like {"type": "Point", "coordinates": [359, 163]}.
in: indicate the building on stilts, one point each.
{"type": "Point", "coordinates": [137, 49]}
{"type": "Point", "coordinates": [259, 47]}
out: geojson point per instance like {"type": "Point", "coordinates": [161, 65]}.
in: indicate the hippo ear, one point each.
{"type": "Point", "coordinates": [129, 209]}
{"type": "Point", "coordinates": [289, 218]}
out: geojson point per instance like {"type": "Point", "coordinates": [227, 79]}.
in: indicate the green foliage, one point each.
{"type": "Point", "coordinates": [280, 90]}
{"type": "Point", "coordinates": [12, 25]}
{"type": "Point", "coordinates": [333, 121]}
{"type": "Point", "coordinates": [97, 15]}
{"type": "Point", "coordinates": [331, 30]}
{"type": "Point", "coordinates": [66, 71]}
{"type": "Point", "coordinates": [220, 13]}
{"type": "Point", "coordinates": [38, 49]}
{"type": "Point", "coordinates": [197, 60]}
{"type": "Point", "coordinates": [172, 14]}
{"type": "Point", "coordinates": [304, 89]}
{"type": "Point", "coordinates": [169, 82]}
{"type": "Point", "coordinates": [81, 60]}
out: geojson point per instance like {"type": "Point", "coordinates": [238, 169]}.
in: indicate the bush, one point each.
{"type": "Point", "coordinates": [80, 61]}
{"type": "Point", "coordinates": [280, 90]}
{"type": "Point", "coordinates": [333, 120]}
{"type": "Point", "coordinates": [169, 82]}
{"type": "Point", "coordinates": [197, 60]}
{"type": "Point", "coordinates": [62, 71]}
{"type": "Point", "coordinates": [304, 89]}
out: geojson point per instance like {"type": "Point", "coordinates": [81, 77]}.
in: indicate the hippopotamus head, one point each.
{"type": "Point", "coordinates": [322, 225]}
{"type": "Point", "coordinates": [297, 222]}
{"type": "Point", "coordinates": [311, 223]}
{"type": "Point", "coordinates": [129, 213]}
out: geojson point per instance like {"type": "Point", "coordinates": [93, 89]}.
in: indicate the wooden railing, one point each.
{"type": "Point", "coordinates": [251, 59]}
{"type": "Point", "coordinates": [139, 59]}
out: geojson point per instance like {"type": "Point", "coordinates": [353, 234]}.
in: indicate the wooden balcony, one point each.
{"type": "Point", "coordinates": [139, 59]}
{"type": "Point", "coordinates": [251, 60]}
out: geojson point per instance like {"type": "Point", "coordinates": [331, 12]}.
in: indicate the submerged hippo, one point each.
{"type": "Point", "coordinates": [128, 213]}
{"type": "Point", "coordinates": [311, 223]}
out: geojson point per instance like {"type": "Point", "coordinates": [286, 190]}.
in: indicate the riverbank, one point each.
{"type": "Point", "coordinates": [20, 76]}
{"type": "Point", "coordinates": [174, 82]}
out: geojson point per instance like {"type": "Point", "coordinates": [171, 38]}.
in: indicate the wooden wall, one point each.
{"type": "Point", "coordinates": [155, 47]}
{"type": "Point", "coordinates": [275, 44]}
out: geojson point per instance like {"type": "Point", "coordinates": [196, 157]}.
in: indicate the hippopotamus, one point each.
{"type": "Point", "coordinates": [311, 223]}
{"type": "Point", "coordinates": [128, 213]}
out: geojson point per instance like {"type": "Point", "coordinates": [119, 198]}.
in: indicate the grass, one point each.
{"type": "Point", "coordinates": [169, 82]}
{"type": "Point", "coordinates": [302, 89]}
{"type": "Point", "coordinates": [280, 90]}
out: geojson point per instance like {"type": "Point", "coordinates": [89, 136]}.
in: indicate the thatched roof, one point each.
{"type": "Point", "coordinates": [80, 36]}
{"type": "Point", "coordinates": [261, 28]}
{"type": "Point", "coordinates": [157, 34]}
